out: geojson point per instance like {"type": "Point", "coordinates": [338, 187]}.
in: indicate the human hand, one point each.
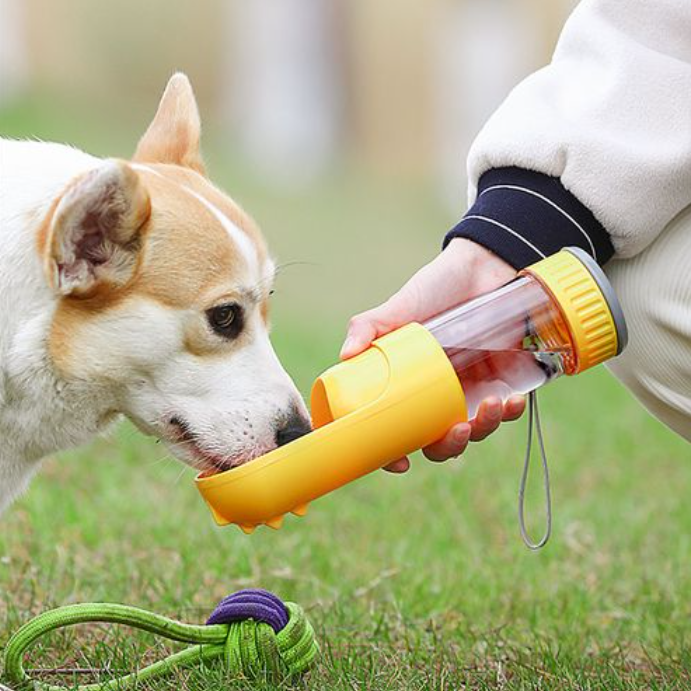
{"type": "Point", "coordinates": [462, 271]}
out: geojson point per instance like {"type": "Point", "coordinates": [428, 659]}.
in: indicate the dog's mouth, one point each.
{"type": "Point", "coordinates": [186, 439]}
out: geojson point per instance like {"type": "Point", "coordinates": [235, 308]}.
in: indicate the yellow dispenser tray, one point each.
{"type": "Point", "coordinates": [398, 396]}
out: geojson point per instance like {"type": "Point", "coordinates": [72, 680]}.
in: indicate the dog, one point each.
{"type": "Point", "coordinates": [136, 288]}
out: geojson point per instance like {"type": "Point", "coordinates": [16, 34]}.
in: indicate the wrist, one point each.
{"type": "Point", "coordinates": [524, 216]}
{"type": "Point", "coordinates": [476, 260]}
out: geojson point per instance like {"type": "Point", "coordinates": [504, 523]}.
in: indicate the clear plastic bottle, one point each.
{"type": "Point", "coordinates": [519, 337]}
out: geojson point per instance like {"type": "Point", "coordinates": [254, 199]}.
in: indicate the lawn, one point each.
{"type": "Point", "coordinates": [412, 582]}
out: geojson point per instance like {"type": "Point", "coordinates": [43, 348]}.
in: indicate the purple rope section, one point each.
{"type": "Point", "coordinates": [252, 603]}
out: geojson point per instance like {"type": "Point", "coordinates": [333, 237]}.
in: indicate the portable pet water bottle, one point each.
{"type": "Point", "coordinates": [559, 316]}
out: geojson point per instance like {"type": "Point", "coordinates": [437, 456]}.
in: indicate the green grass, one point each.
{"type": "Point", "coordinates": [412, 582]}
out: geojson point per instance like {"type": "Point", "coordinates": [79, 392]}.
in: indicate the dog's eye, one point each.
{"type": "Point", "coordinates": [225, 320]}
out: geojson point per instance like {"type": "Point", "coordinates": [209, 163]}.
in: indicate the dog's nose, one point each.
{"type": "Point", "coordinates": [293, 428]}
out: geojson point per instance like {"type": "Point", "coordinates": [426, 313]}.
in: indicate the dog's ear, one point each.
{"type": "Point", "coordinates": [173, 135]}
{"type": "Point", "coordinates": [95, 237]}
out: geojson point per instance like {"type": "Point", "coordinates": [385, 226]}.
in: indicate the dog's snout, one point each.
{"type": "Point", "coordinates": [293, 428]}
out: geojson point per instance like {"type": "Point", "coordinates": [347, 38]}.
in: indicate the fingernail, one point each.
{"type": "Point", "coordinates": [347, 346]}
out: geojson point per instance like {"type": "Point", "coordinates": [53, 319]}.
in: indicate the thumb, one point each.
{"type": "Point", "coordinates": [363, 328]}
{"type": "Point", "coordinates": [361, 332]}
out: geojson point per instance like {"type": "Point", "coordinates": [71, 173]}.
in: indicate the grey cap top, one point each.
{"type": "Point", "coordinates": [608, 292]}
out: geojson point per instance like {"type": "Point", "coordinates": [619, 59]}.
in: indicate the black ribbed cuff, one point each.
{"type": "Point", "coordinates": [523, 216]}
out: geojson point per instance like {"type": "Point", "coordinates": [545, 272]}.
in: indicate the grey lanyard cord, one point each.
{"type": "Point", "coordinates": [534, 418]}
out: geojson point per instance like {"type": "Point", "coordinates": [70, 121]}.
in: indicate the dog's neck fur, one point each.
{"type": "Point", "coordinates": [39, 413]}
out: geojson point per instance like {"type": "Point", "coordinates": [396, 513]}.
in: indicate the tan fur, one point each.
{"type": "Point", "coordinates": [187, 260]}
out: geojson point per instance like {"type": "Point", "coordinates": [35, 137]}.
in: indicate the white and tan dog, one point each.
{"type": "Point", "coordinates": [134, 288]}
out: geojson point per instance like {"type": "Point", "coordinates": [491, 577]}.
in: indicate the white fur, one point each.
{"type": "Point", "coordinates": [38, 414]}
{"type": "Point", "coordinates": [132, 362]}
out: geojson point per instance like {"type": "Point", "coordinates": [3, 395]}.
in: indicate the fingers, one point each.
{"type": "Point", "coordinates": [399, 466]}
{"type": "Point", "coordinates": [363, 328]}
{"type": "Point", "coordinates": [513, 408]}
{"type": "Point", "coordinates": [488, 418]}
{"type": "Point", "coordinates": [490, 415]}
{"type": "Point", "coordinates": [453, 444]}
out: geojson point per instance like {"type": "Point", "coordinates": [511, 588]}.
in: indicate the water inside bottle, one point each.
{"type": "Point", "coordinates": [510, 341]}
{"type": "Point", "coordinates": [502, 373]}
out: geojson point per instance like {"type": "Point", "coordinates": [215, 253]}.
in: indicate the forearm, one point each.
{"type": "Point", "coordinates": [523, 216]}
{"type": "Point", "coordinates": [610, 119]}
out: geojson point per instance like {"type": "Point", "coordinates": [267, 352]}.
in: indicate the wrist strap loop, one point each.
{"type": "Point", "coordinates": [534, 421]}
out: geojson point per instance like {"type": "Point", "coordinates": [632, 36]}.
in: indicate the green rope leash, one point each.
{"type": "Point", "coordinates": [262, 635]}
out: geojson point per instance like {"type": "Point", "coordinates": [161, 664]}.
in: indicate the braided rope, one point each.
{"type": "Point", "coordinates": [252, 631]}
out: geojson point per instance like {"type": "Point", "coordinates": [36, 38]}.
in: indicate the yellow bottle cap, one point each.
{"type": "Point", "coordinates": [588, 303]}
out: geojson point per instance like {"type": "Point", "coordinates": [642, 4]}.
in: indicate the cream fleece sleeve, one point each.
{"type": "Point", "coordinates": [610, 117]}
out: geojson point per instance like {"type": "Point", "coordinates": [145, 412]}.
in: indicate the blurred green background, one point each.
{"type": "Point", "coordinates": [342, 128]}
